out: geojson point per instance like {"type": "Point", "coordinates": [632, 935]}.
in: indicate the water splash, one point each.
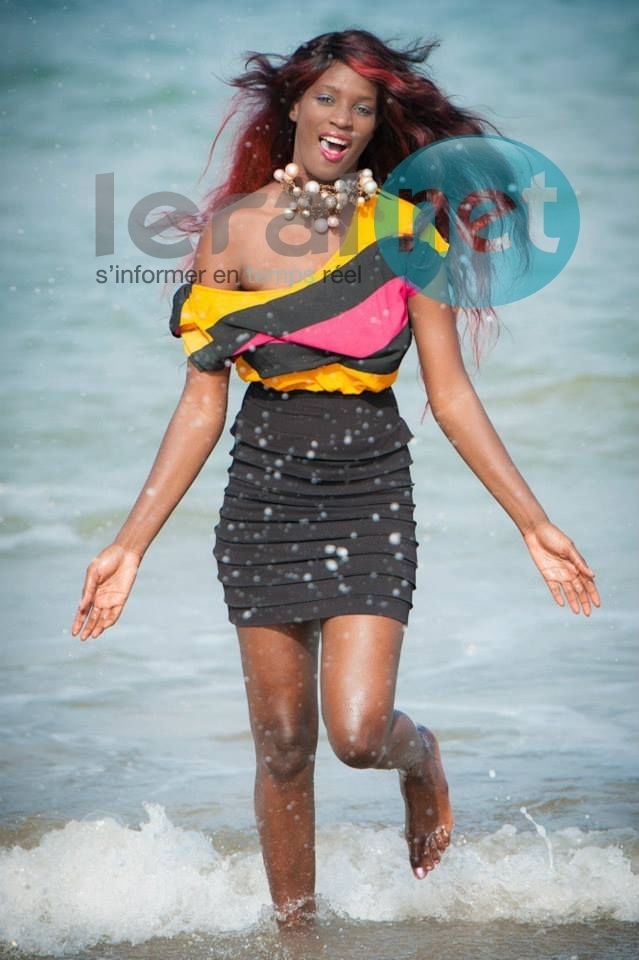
{"type": "Point", "coordinates": [100, 880]}
{"type": "Point", "coordinates": [544, 836]}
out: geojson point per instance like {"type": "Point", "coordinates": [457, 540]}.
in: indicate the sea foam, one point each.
{"type": "Point", "coordinates": [100, 880]}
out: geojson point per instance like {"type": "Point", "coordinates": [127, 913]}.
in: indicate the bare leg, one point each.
{"type": "Point", "coordinates": [360, 657]}
{"type": "Point", "coordinates": [280, 672]}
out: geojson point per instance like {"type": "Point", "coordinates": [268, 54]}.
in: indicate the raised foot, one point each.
{"type": "Point", "coordinates": [429, 815]}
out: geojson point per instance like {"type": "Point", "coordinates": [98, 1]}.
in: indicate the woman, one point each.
{"type": "Point", "coordinates": [316, 532]}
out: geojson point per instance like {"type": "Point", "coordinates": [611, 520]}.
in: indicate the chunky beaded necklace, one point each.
{"type": "Point", "coordinates": [321, 203]}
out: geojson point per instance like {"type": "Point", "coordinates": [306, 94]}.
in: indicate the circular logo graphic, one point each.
{"type": "Point", "coordinates": [477, 221]}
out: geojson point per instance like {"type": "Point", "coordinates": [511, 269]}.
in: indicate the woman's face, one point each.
{"type": "Point", "coordinates": [336, 119]}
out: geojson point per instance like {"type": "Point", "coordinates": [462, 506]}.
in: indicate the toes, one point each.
{"type": "Point", "coordinates": [434, 851]}
{"type": "Point", "coordinates": [422, 861]}
{"type": "Point", "coordinates": [440, 838]}
{"type": "Point", "coordinates": [416, 856]}
{"type": "Point", "coordinates": [429, 854]}
{"type": "Point", "coordinates": [423, 870]}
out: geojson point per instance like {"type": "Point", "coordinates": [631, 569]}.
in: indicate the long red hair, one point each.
{"type": "Point", "coordinates": [413, 110]}
{"type": "Point", "coordinates": [413, 113]}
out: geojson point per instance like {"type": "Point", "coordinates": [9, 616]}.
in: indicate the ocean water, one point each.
{"type": "Point", "coordinates": [126, 825]}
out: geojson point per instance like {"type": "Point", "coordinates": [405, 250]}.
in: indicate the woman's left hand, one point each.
{"type": "Point", "coordinates": [563, 568]}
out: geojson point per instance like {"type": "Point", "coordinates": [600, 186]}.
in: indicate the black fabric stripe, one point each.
{"type": "Point", "coordinates": [351, 603]}
{"type": "Point", "coordinates": [315, 302]}
{"type": "Point", "coordinates": [248, 595]}
{"type": "Point", "coordinates": [277, 359]}
{"type": "Point", "coordinates": [292, 553]}
{"type": "Point", "coordinates": [296, 310]}
{"type": "Point", "coordinates": [180, 297]}
{"type": "Point", "coordinates": [385, 360]}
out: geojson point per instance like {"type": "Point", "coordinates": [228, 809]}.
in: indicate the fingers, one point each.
{"type": "Point", "coordinates": [92, 620]}
{"type": "Point", "coordinates": [581, 564]}
{"type": "Point", "coordinates": [86, 601]}
{"type": "Point", "coordinates": [95, 622]}
{"type": "Point", "coordinates": [107, 584]}
{"type": "Point", "coordinates": [566, 572]}
{"type": "Point", "coordinates": [89, 588]}
{"type": "Point", "coordinates": [577, 597]}
{"type": "Point", "coordinates": [555, 589]}
{"type": "Point", "coordinates": [593, 593]}
{"type": "Point", "coordinates": [581, 594]}
{"type": "Point", "coordinates": [76, 626]}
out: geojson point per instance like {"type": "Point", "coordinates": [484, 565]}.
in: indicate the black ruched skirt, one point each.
{"type": "Point", "coordinates": [317, 517]}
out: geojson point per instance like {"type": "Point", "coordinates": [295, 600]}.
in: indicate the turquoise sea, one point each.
{"type": "Point", "coordinates": [126, 824]}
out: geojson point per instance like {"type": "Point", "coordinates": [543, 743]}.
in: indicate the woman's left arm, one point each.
{"type": "Point", "coordinates": [460, 414]}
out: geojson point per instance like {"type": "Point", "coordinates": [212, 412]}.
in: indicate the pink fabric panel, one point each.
{"type": "Point", "coordinates": [358, 332]}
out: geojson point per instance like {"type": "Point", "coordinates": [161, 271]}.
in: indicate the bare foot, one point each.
{"type": "Point", "coordinates": [429, 815]}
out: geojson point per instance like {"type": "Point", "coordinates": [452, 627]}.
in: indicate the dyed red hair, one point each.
{"type": "Point", "coordinates": [413, 113]}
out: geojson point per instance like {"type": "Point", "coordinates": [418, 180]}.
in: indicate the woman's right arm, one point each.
{"type": "Point", "coordinates": [193, 431]}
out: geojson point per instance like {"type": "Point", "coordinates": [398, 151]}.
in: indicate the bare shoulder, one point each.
{"type": "Point", "coordinates": [228, 240]}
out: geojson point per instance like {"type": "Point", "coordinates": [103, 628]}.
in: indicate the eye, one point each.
{"type": "Point", "coordinates": [324, 98]}
{"type": "Point", "coordinates": [364, 111]}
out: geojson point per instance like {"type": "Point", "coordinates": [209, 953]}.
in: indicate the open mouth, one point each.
{"type": "Point", "coordinates": [334, 147]}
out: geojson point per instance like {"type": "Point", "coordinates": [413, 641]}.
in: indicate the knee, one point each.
{"type": "Point", "coordinates": [285, 752]}
{"type": "Point", "coordinates": [359, 742]}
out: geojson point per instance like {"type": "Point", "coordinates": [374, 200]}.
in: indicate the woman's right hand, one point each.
{"type": "Point", "coordinates": [107, 585]}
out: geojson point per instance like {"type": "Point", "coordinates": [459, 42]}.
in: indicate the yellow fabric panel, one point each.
{"type": "Point", "coordinates": [206, 305]}
{"type": "Point", "coordinates": [401, 222]}
{"type": "Point", "coordinates": [334, 377]}
{"type": "Point", "coordinates": [194, 339]}
{"type": "Point", "coordinates": [432, 236]}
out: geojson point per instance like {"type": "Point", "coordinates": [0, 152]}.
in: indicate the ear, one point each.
{"type": "Point", "coordinates": [293, 113]}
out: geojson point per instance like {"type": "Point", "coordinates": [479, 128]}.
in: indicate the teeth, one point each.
{"type": "Point", "coordinates": [335, 144]}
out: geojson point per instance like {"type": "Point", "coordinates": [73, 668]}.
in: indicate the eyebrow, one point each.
{"type": "Point", "coordinates": [333, 89]}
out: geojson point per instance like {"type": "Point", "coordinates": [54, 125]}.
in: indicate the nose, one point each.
{"type": "Point", "coordinates": [341, 115]}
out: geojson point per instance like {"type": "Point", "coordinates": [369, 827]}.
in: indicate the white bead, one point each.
{"type": "Point", "coordinates": [324, 201]}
